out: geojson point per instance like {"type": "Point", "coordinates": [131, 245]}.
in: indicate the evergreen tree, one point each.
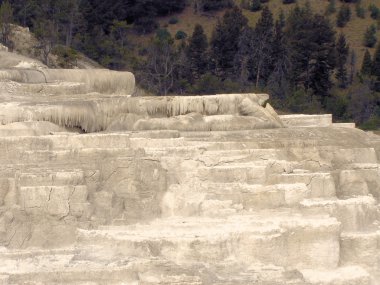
{"type": "Point", "coordinates": [374, 11]}
{"type": "Point", "coordinates": [342, 50]}
{"type": "Point", "coordinates": [370, 36]}
{"type": "Point", "coordinates": [344, 16]}
{"type": "Point", "coordinates": [353, 59]}
{"type": "Point", "coordinates": [360, 11]}
{"type": "Point", "coordinates": [367, 64]}
{"type": "Point", "coordinates": [196, 52]}
{"type": "Point", "coordinates": [278, 82]}
{"type": "Point", "coordinates": [6, 19]}
{"type": "Point", "coordinates": [225, 41]}
{"type": "Point", "coordinates": [281, 19]}
{"type": "Point", "coordinates": [264, 33]}
{"type": "Point", "coordinates": [312, 51]}
{"type": "Point", "coordinates": [244, 57]}
{"type": "Point", "coordinates": [256, 5]}
{"type": "Point", "coordinates": [376, 63]}
{"type": "Point", "coordinates": [331, 8]}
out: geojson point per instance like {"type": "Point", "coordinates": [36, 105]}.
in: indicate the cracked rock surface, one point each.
{"type": "Point", "coordinates": [197, 190]}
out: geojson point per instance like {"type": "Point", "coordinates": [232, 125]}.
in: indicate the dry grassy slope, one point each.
{"type": "Point", "coordinates": [354, 30]}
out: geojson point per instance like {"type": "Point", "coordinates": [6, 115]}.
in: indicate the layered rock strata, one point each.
{"type": "Point", "coordinates": [190, 190]}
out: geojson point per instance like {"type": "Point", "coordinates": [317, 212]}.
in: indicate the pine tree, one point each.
{"type": "Point", "coordinates": [281, 19]}
{"type": "Point", "coordinates": [225, 41]}
{"type": "Point", "coordinates": [278, 81]}
{"type": "Point", "coordinates": [256, 5]}
{"type": "Point", "coordinates": [360, 11]}
{"type": "Point", "coordinates": [341, 60]}
{"type": "Point", "coordinates": [370, 36]}
{"type": "Point", "coordinates": [264, 33]}
{"type": "Point", "coordinates": [311, 41]}
{"type": "Point", "coordinates": [331, 8]}
{"type": "Point", "coordinates": [367, 64]}
{"type": "Point", "coordinates": [244, 56]}
{"type": "Point", "coordinates": [6, 19]}
{"type": "Point", "coordinates": [344, 16]}
{"type": "Point", "coordinates": [196, 52]}
{"type": "Point", "coordinates": [353, 59]}
{"type": "Point", "coordinates": [376, 63]}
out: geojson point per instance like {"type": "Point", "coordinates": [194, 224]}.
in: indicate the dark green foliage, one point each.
{"type": "Point", "coordinates": [208, 84]}
{"type": "Point", "coordinates": [6, 19]}
{"type": "Point", "coordinates": [344, 16]}
{"type": "Point", "coordinates": [360, 11]}
{"type": "Point", "coordinates": [263, 47]}
{"type": "Point", "coordinates": [342, 50]}
{"type": "Point", "coordinates": [225, 41]}
{"type": "Point", "coordinates": [370, 36]}
{"type": "Point", "coordinates": [331, 8]}
{"type": "Point", "coordinates": [245, 4]}
{"type": "Point", "coordinates": [362, 103]}
{"type": "Point", "coordinates": [374, 11]}
{"type": "Point", "coordinates": [173, 21]}
{"type": "Point", "coordinates": [196, 53]}
{"type": "Point", "coordinates": [244, 57]}
{"type": "Point", "coordinates": [289, 1]}
{"type": "Point", "coordinates": [67, 57]}
{"type": "Point", "coordinates": [376, 63]}
{"type": "Point", "coordinates": [256, 5]}
{"type": "Point", "coordinates": [213, 5]}
{"type": "Point", "coordinates": [281, 19]}
{"type": "Point", "coordinates": [367, 64]}
{"type": "Point", "coordinates": [180, 35]}
{"type": "Point", "coordinates": [337, 105]}
{"type": "Point", "coordinates": [311, 42]}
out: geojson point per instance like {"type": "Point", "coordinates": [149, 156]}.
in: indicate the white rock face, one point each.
{"type": "Point", "coordinates": [179, 190]}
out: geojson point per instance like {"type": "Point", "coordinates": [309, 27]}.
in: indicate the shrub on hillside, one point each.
{"type": "Point", "coordinates": [289, 1]}
{"type": "Point", "coordinates": [374, 11]}
{"type": "Point", "coordinates": [180, 35]}
{"type": "Point", "coordinates": [173, 20]}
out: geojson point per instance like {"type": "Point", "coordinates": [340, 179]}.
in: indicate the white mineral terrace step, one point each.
{"type": "Point", "coordinates": [276, 238]}
{"type": "Point", "coordinates": [342, 276]}
{"type": "Point", "coordinates": [257, 196]}
{"type": "Point", "coordinates": [361, 179]}
{"type": "Point", "coordinates": [361, 248]}
{"type": "Point", "coordinates": [90, 268]}
{"type": "Point", "coordinates": [223, 199]}
{"type": "Point", "coordinates": [59, 201]}
{"type": "Point", "coordinates": [321, 184]}
{"type": "Point", "coordinates": [355, 214]}
{"type": "Point", "coordinates": [345, 125]}
{"type": "Point", "coordinates": [248, 173]}
{"type": "Point", "coordinates": [56, 142]}
{"type": "Point", "coordinates": [81, 155]}
{"type": "Point", "coordinates": [307, 120]}
{"type": "Point", "coordinates": [318, 158]}
{"type": "Point", "coordinates": [96, 265]}
{"type": "Point", "coordinates": [44, 177]}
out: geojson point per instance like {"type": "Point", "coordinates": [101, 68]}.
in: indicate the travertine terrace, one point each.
{"type": "Point", "coordinates": [100, 187]}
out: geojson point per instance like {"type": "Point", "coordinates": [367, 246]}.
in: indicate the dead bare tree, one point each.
{"type": "Point", "coordinates": [47, 35]}
{"type": "Point", "coordinates": [160, 66]}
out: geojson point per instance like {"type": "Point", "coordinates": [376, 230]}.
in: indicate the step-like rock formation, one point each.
{"type": "Point", "coordinates": [181, 190]}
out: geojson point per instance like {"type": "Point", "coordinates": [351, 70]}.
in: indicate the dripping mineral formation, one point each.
{"type": "Point", "coordinates": [100, 187]}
